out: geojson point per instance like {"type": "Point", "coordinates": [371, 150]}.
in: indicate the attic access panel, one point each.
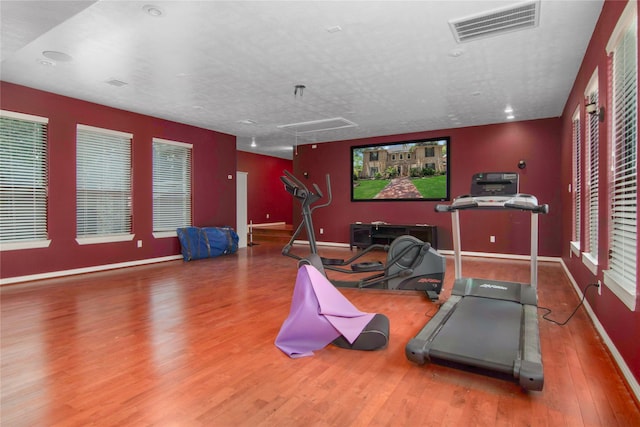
{"type": "Point", "coordinates": [317, 125]}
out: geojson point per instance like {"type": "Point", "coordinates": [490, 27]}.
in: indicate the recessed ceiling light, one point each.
{"type": "Point", "coordinates": [456, 53]}
{"type": "Point", "coordinates": [253, 142]}
{"type": "Point", "coordinates": [57, 56]}
{"type": "Point", "coordinates": [334, 29]}
{"type": "Point", "coordinates": [152, 10]}
{"type": "Point", "coordinates": [510, 117]}
{"type": "Point", "coordinates": [508, 110]}
{"type": "Point", "coordinates": [45, 62]}
{"type": "Point", "coordinates": [247, 122]}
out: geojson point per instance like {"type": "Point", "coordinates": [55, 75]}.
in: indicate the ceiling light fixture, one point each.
{"type": "Point", "coordinates": [116, 82]}
{"type": "Point", "coordinates": [152, 10]}
{"type": "Point", "coordinates": [57, 56]}
{"type": "Point", "coordinates": [298, 88]}
{"type": "Point", "coordinates": [247, 122]}
{"type": "Point", "coordinates": [253, 142]}
{"type": "Point", "coordinates": [45, 62]}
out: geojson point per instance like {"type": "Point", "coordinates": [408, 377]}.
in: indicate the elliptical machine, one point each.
{"type": "Point", "coordinates": [411, 263]}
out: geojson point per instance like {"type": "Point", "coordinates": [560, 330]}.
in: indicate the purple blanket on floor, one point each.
{"type": "Point", "coordinates": [319, 314]}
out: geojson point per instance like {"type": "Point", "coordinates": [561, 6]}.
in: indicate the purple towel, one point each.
{"type": "Point", "coordinates": [319, 314]}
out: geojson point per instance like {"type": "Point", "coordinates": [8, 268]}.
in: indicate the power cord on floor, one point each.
{"type": "Point", "coordinates": [584, 294]}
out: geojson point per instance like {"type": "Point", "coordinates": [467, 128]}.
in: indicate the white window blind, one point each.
{"type": "Point", "coordinates": [171, 185]}
{"type": "Point", "coordinates": [23, 177]}
{"type": "Point", "coordinates": [103, 182]}
{"type": "Point", "coordinates": [592, 139]}
{"type": "Point", "coordinates": [624, 160]}
{"type": "Point", "coordinates": [577, 179]}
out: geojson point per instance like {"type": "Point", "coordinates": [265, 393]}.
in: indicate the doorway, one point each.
{"type": "Point", "coordinates": [241, 208]}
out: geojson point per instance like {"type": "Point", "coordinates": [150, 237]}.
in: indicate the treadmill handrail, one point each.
{"type": "Point", "coordinates": [509, 202]}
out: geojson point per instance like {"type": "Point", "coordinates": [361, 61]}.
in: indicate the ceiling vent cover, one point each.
{"type": "Point", "coordinates": [499, 21]}
{"type": "Point", "coordinates": [317, 125]}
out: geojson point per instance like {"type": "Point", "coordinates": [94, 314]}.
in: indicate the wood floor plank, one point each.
{"type": "Point", "coordinates": [192, 344]}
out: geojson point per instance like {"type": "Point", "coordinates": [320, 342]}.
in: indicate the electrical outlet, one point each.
{"type": "Point", "coordinates": [599, 287]}
{"type": "Point", "coordinates": [267, 216]}
{"type": "Point", "coordinates": [322, 231]}
{"type": "Point", "coordinates": [492, 239]}
{"type": "Point", "coordinates": [139, 243]}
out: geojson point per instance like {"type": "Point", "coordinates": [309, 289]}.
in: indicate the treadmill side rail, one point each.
{"type": "Point", "coordinates": [530, 372]}
{"type": "Point", "coordinates": [417, 349]}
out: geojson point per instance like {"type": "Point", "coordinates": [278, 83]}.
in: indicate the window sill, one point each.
{"type": "Point", "coordinates": [613, 282]}
{"type": "Point", "coordinates": [575, 248]}
{"type": "Point", "coordinates": [164, 234]}
{"type": "Point", "coordinates": [590, 262]}
{"type": "Point", "coordinates": [95, 240]}
{"type": "Point", "coordinates": [30, 244]}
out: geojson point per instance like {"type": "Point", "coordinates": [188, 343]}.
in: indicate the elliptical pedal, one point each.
{"type": "Point", "coordinates": [332, 261]}
{"type": "Point", "coordinates": [368, 266]}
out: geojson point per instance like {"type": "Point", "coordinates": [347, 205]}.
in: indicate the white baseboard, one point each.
{"type": "Point", "coordinates": [328, 244]}
{"type": "Point", "coordinates": [265, 224]}
{"type": "Point", "coordinates": [626, 372]}
{"type": "Point", "coordinates": [93, 269]}
{"type": "Point", "coordinates": [501, 256]}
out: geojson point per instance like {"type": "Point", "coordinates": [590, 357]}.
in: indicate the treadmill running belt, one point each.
{"type": "Point", "coordinates": [481, 332]}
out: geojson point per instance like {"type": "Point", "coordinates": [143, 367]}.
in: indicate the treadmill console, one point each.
{"type": "Point", "coordinates": [495, 190]}
{"type": "Point", "coordinates": [494, 184]}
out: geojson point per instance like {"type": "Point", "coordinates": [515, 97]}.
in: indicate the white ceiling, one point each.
{"type": "Point", "coordinates": [394, 67]}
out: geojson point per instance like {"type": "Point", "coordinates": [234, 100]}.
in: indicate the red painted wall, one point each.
{"type": "Point", "coordinates": [265, 191]}
{"type": "Point", "coordinates": [214, 196]}
{"type": "Point", "coordinates": [473, 149]}
{"type": "Point", "coordinates": [620, 324]}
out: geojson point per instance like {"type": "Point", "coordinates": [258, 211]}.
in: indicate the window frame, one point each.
{"type": "Point", "coordinates": [173, 233]}
{"type": "Point", "coordinates": [592, 184]}
{"type": "Point", "coordinates": [91, 239]}
{"type": "Point", "coordinates": [620, 286]}
{"type": "Point", "coordinates": [34, 243]}
{"type": "Point", "coordinates": [576, 181]}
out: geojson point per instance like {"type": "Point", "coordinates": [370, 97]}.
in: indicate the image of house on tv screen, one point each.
{"type": "Point", "coordinates": [408, 170]}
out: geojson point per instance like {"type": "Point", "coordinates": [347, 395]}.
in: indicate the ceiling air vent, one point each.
{"type": "Point", "coordinates": [317, 125]}
{"type": "Point", "coordinates": [116, 82]}
{"type": "Point", "coordinates": [498, 21]}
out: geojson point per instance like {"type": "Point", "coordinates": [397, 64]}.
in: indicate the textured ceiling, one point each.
{"type": "Point", "coordinates": [389, 67]}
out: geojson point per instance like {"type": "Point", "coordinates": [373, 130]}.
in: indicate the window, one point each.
{"type": "Point", "coordinates": [576, 182]}
{"type": "Point", "coordinates": [23, 181]}
{"type": "Point", "coordinates": [373, 156]}
{"type": "Point", "coordinates": [103, 185]}
{"type": "Point", "coordinates": [621, 277]}
{"type": "Point", "coordinates": [429, 152]}
{"type": "Point", "coordinates": [590, 254]}
{"type": "Point", "coordinates": [171, 186]}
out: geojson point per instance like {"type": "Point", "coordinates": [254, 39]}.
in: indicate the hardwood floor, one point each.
{"type": "Point", "coordinates": [192, 344]}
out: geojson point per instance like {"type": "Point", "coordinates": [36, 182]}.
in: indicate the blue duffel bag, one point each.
{"type": "Point", "coordinates": [207, 242]}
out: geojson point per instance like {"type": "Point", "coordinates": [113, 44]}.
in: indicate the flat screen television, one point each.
{"type": "Point", "coordinates": [415, 170]}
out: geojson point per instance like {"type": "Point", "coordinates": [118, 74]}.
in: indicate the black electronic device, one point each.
{"type": "Point", "coordinates": [494, 184]}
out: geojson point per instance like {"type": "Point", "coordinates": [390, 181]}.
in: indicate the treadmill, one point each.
{"type": "Point", "coordinates": [488, 325]}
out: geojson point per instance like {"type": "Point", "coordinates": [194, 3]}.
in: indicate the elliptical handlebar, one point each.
{"type": "Point", "coordinates": [329, 195]}
{"type": "Point", "coordinates": [300, 191]}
